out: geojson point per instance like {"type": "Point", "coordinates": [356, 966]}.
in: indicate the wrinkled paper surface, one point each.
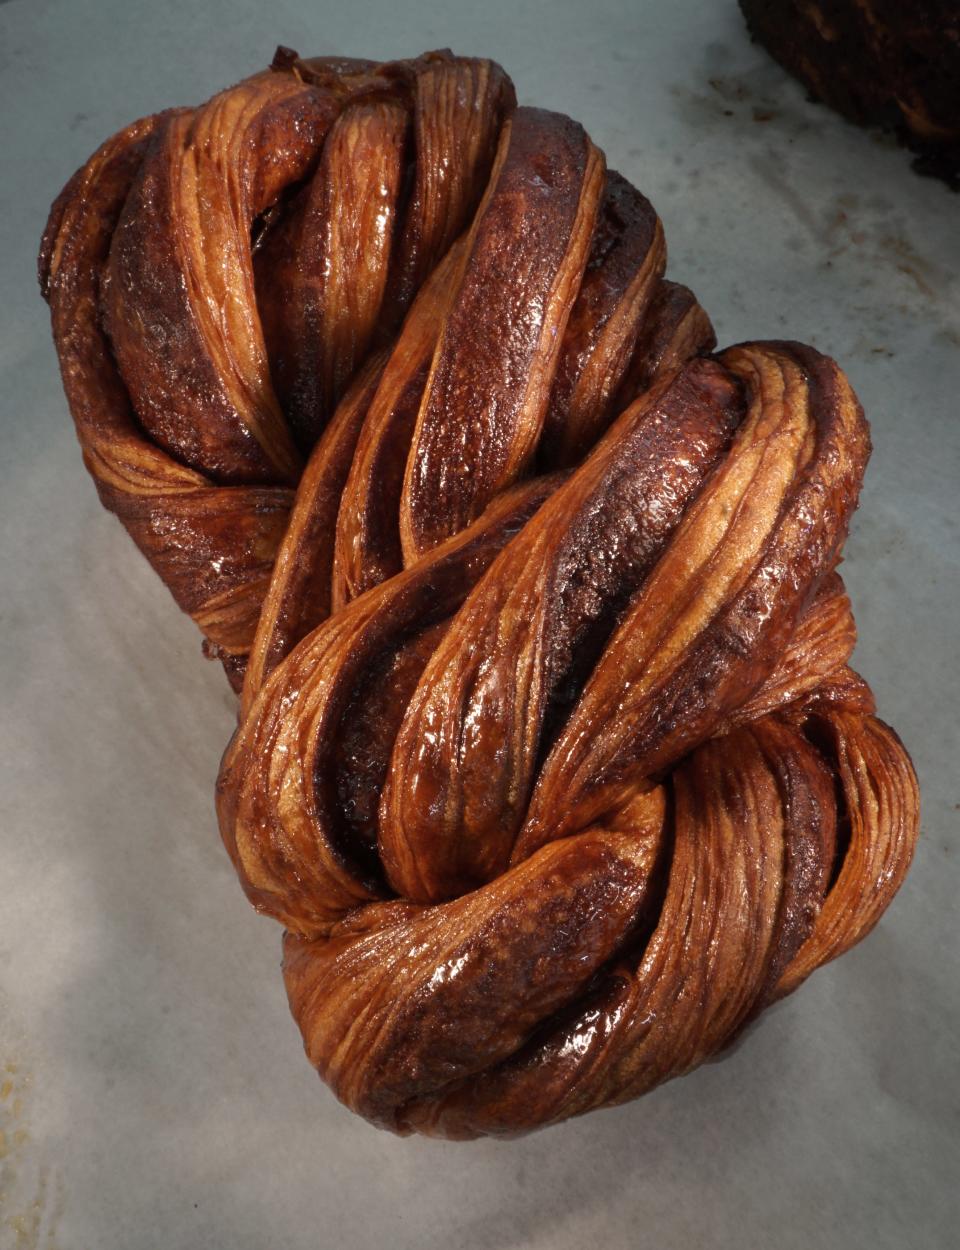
{"type": "Point", "coordinates": [153, 1092]}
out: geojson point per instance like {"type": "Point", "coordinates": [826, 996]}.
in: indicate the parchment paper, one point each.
{"type": "Point", "coordinates": [153, 1093]}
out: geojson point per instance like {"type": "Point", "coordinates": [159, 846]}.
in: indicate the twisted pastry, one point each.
{"type": "Point", "coordinates": [549, 757]}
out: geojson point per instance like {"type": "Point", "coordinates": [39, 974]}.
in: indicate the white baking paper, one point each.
{"type": "Point", "coordinates": [153, 1092]}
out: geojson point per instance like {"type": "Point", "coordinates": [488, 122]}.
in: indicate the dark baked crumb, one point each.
{"type": "Point", "coordinates": [877, 62]}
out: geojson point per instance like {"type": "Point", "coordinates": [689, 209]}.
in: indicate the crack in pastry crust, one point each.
{"type": "Point", "coordinates": [549, 756]}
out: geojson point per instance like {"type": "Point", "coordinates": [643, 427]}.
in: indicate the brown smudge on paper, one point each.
{"type": "Point", "coordinates": [31, 1191]}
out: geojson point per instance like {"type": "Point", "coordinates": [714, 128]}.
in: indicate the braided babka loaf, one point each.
{"type": "Point", "coordinates": [549, 758]}
{"type": "Point", "coordinates": [886, 63]}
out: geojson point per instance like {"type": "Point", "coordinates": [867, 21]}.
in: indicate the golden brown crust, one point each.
{"type": "Point", "coordinates": [466, 756]}
{"type": "Point", "coordinates": [626, 262]}
{"type": "Point", "coordinates": [549, 756]}
{"type": "Point", "coordinates": [213, 546]}
{"type": "Point", "coordinates": [321, 274]}
{"type": "Point", "coordinates": [499, 345]}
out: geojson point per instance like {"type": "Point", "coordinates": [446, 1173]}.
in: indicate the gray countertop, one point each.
{"type": "Point", "coordinates": [153, 1092]}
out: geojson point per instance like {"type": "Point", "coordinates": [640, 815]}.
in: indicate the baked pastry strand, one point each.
{"type": "Point", "coordinates": [549, 757]}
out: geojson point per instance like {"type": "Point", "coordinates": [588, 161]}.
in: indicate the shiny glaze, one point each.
{"type": "Point", "coordinates": [368, 547]}
{"type": "Point", "coordinates": [627, 257]}
{"type": "Point", "coordinates": [556, 780]}
{"type": "Point", "coordinates": [448, 991]}
{"type": "Point", "coordinates": [300, 591]}
{"type": "Point", "coordinates": [179, 303]}
{"type": "Point", "coordinates": [530, 633]}
{"type": "Point", "coordinates": [284, 827]}
{"type": "Point", "coordinates": [674, 330]}
{"type": "Point", "coordinates": [213, 546]}
{"type": "Point", "coordinates": [711, 620]}
{"type": "Point", "coordinates": [459, 109]}
{"type": "Point", "coordinates": [321, 273]}
{"type": "Point", "coordinates": [499, 346]}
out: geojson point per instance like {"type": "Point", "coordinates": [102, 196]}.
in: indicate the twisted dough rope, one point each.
{"type": "Point", "coordinates": [549, 758]}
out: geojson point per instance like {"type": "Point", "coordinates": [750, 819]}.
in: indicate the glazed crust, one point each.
{"type": "Point", "coordinates": [549, 757]}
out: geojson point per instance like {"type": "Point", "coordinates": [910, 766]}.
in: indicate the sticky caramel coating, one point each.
{"type": "Point", "coordinates": [549, 756]}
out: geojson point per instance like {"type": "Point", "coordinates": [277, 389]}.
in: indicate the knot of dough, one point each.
{"type": "Point", "coordinates": [549, 759]}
